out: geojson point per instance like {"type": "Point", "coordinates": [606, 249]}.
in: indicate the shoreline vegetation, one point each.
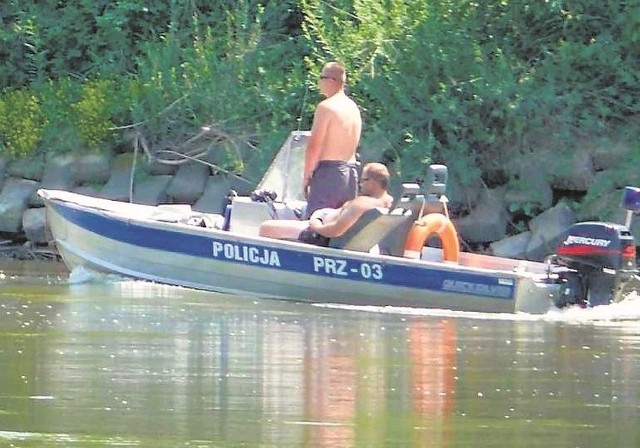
{"type": "Point", "coordinates": [533, 106]}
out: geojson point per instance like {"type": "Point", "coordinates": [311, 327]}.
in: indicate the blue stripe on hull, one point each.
{"type": "Point", "coordinates": [291, 260]}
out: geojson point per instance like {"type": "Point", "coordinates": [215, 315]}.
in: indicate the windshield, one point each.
{"type": "Point", "coordinates": [284, 176]}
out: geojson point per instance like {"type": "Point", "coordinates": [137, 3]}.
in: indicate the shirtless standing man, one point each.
{"type": "Point", "coordinates": [330, 174]}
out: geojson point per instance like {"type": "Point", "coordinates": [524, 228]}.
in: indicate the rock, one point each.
{"type": "Point", "coordinates": [34, 224]}
{"type": "Point", "coordinates": [240, 185]}
{"type": "Point", "coordinates": [547, 230]}
{"type": "Point", "coordinates": [58, 172]}
{"type": "Point", "coordinates": [487, 222]}
{"type": "Point", "coordinates": [58, 175]}
{"type": "Point", "coordinates": [462, 197]}
{"type": "Point", "coordinates": [527, 165]}
{"type": "Point", "coordinates": [214, 195]}
{"type": "Point", "coordinates": [605, 158]}
{"type": "Point", "coordinates": [117, 187]}
{"type": "Point", "coordinates": [575, 174]}
{"type": "Point", "coordinates": [220, 154]}
{"type": "Point", "coordinates": [27, 168]}
{"type": "Point", "coordinates": [532, 191]}
{"type": "Point", "coordinates": [92, 168]}
{"type": "Point", "coordinates": [152, 191]}
{"type": "Point", "coordinates": [156, 168]}
{"type": "Point", "coordinates": [558, 217]}
{"type": "Point", "coordinates": [539, 247]}
{"type": "Point", "coordinates": [87, 190]}
{"type": "Point", "coordinates": [14, 200]}
{"type": "Point", "coordinates": [188, 183]}
{"type": "Point", "coordinates": [512, 246]}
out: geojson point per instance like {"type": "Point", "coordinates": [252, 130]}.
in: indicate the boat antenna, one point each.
{"type": "Point", "coordinates": [304, 101]}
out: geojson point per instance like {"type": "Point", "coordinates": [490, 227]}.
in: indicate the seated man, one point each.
{"type": "Point", "coordinates": [331, 223]}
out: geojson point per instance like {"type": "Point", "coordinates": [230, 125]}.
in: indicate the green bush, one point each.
{"type": "Point", "coordinates": [61, 134]}
{"type": "Point", "coordinates": [93, 112]}
{"type": "Point", "coordinates": [21, 123]}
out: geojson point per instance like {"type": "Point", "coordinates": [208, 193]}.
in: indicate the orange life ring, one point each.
{"type": "Point", "coordinates": [428, 225]}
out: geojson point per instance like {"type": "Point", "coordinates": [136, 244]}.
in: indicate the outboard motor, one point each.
{"type": "Point", "coordinates": [600, 259]}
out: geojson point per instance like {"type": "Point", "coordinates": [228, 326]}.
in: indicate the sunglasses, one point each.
{"type": "Point", "coordinates": [327, 77]}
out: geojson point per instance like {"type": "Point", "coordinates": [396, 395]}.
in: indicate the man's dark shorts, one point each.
{"type": "Point", "coordinates": [332, 184]}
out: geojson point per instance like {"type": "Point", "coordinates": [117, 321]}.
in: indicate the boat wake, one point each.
{"type": "Point", "coordinates": [81, 274]}
{"type": "Point", "coordinates": [626, 310]}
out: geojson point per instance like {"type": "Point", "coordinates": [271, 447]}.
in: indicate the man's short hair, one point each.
{"type": "Point", "coordinates": [336, 70]}
{"type": "Point", "coordinates": [378, 172]}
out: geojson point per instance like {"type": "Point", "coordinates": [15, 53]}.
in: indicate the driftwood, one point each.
{"type": "Point", "coordinates": [9, 250]}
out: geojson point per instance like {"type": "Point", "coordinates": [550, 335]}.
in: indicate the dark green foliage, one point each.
{"type": "Point", "coordinates": [49, 39]}
{"type": "Point", "coordinates": [473, 84]}
{"type": "Point", "coordinates": [469, 84]}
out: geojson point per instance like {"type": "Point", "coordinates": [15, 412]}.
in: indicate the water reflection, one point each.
{"type": "Point", "coordinates": [130, 363]}
{"type": "Point", "coordinates": [161, 364]}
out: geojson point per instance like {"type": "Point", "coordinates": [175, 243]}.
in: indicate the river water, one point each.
{"type": "Point", "coordinates": [90, 361]}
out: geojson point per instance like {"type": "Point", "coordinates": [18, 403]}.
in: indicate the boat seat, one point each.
{"type": "Point", "coordinates": [376, 227]}
{"type": "Point", "coordinates": [388, 231]}
{"type": "Point", "coordinates": [393, 242]}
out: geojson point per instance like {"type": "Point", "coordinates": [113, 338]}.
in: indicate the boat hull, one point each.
{"type": "Point", "coordinates": [127, 240]}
